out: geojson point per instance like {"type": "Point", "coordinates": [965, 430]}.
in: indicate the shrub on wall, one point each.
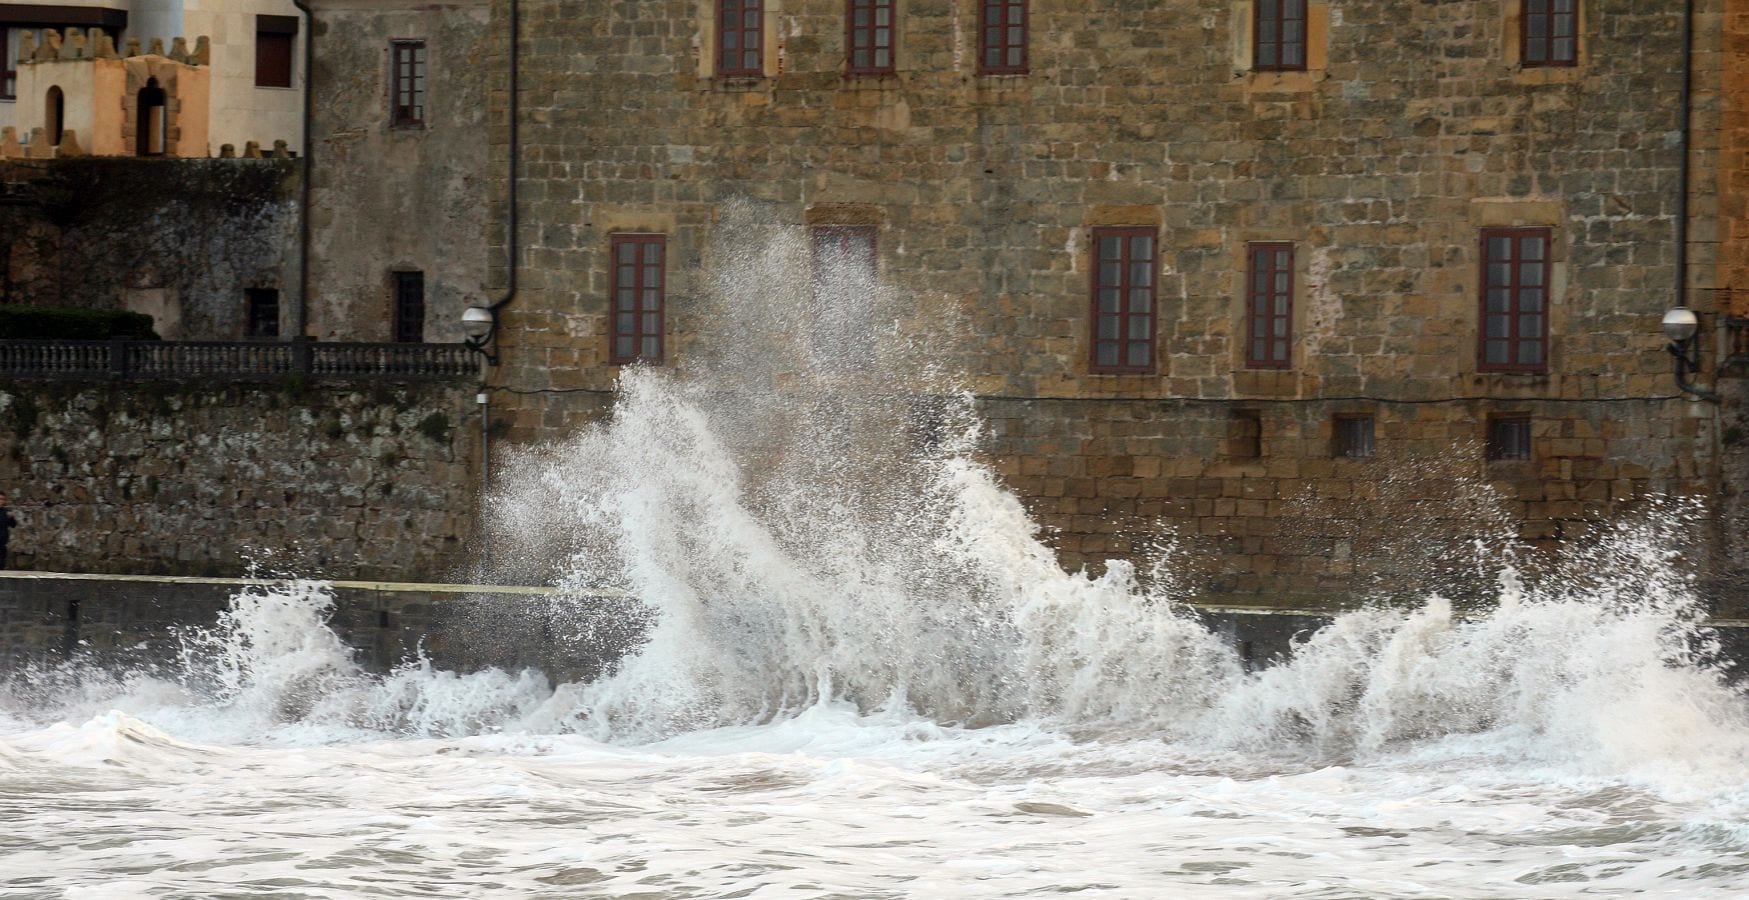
{"type": "Point", "coordinates": [40, 323]}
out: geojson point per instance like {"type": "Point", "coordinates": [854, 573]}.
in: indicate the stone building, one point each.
{"type": "Point", "coordinates": [1283, 277]}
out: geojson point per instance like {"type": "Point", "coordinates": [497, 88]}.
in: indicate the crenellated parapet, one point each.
{"type": "Point", "coordinates": [51, 45]}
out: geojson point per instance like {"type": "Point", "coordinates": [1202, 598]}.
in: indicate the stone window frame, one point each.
{"type": "Point", "coordinates": [1349, 441]}
{"type": "Point", "coordinates": [407, 306]}
{"type": "Point", "coordinates": [1243, 41]}
{"type": "Point", "coordinates": [1272, 31]}
{"type": "Point", "coordinates": [1264, 251]}
{"type": "Point", "coordinates": [640, 333]}
{"type": "Point", "coordinates": [872, 31]}
{"type": "Point", "coordinates": [1509, 437]}
{"type": "Point", "coordinates": [1125, 288]}
{"type": "Point", "coordinates": [742, 9]}
{"type": "Point", "coordinates": [410, 115]}
{"type": "Point", "coordinates": [1512, 40]}
{"type": "Point", "coordinates": [1004, 9]}
{"type": "Point", "coordinates": [1515, 289]}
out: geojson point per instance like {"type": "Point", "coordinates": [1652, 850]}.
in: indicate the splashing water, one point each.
{"type": "Point", "coordinates": [846, 624]}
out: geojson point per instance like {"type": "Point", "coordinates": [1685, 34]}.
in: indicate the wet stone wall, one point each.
{"type": "Point", "coordinates": [375, 481]}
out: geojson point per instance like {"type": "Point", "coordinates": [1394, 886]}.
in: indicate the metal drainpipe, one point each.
{"type": "Point", "coordinates": [1682, 161]}
{"type": "Point", "coordinates": [510, 167]}
{"type": "Point", "coordinates": [301, 312]}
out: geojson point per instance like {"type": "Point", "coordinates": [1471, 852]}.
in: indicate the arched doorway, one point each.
{"type": "Point", "coordinates": [149, 125]}
{"type": "Point", "coordinates": [53, 107]}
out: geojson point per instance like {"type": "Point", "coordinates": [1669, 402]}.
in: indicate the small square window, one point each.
{"type": "Point", "coordinates": [1245, 434]}
{"type": "Point", "coordinates": [1353, 437]}
{"type": "Point", "coordinates": [1509, 437]}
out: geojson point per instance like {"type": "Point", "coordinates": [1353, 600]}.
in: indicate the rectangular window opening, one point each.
{"type": "Point", "coordinates": [1509, 438]}
{"type": "Point", "coordinates": [1278, 35]}
{"type": "Point", "coordinates": [1121, 312]}
{"type": "Point", "coordinates": [275, 37]}
{"type": "Point", "coordinates": [638, 288]}
{"type": "Point", "coordinates": [1514, 302]}
{"type": "Point", "coordinates": [263, 312]}
{"type": "Point", "coordinates": [1549, 33]}
{"type": "Point", "coordinates": [409, 307]}
{"type": "Point", "coordinates": [844, 282]}
{"type": "Point", "coordinates": [1353, 437]}
{"type": "Point", "coordinates": [1245, 434]}
{"type": "Point", "coordinates": [1269, 304]}
{"type": "Point", "coordinates": [870, 29]}
{"type": "Point", "coordinates": [406, 84]}
{"type": "Point", "coordinates": [740, 49]}
{"type": "Point", "coordinates": [8, 64]}
{"type": "Point", "coordinates": [1002, 37]}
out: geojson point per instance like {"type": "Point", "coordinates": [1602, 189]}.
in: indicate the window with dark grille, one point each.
{"type": "Point", "coordinates": [1550, 33]}
{"type": "Point", "coordinates": [263, 312]}
{"type": "Point", "coordinates": [638, 292]}
{"type": "Point", "coordinates": [1514, 313]}
{"type": "Point", "coordinates": [869, 36]}
{"type": "Point", "coordinates": [1509, 437]}
{"type": "Point", "coordinates": [1278, 35]}
{"type": "Point", "coordinates": [8, 66]}
{"type": "Point", "coordinates": [1245, 434]}
{"type": "Point", "coordinates": [407, 84]}
{"type": "Point", "coordinates": [1123, 300]}
{"type": "Point", "coordinates": [844, 288]}
{"type": "Point", "coordinates": [1353, 437]}
{"type": "Point", "coordinates": [410, 307]}
{"type": "Point", "coordinates": [739, 47]}
{"type": "Point", "coordinates": [274, 38]}
{"type": "Point", "coordinates": [1002, 37]}
{"type": "Point", "coordinates": [1269, 305]}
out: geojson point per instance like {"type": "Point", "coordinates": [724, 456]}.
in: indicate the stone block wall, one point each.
{"type": "Point", "coordinates": [1408, 134]}
{"type": "Point", "coordinates": [194, 479]}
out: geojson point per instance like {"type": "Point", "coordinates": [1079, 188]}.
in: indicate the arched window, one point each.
{"type": "Point", "coordinates": [53, 106]}
{"type": "Point", "coordinates": [149, 126]}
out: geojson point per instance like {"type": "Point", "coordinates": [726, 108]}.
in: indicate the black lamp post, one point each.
{"type": "Point", "coordinates": [1681, 325]}
{"type": "Point", "coordinates": [479, 323]}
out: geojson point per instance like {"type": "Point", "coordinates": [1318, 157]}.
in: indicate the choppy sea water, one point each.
{"type": "Point", "coordinates": [854, 670]}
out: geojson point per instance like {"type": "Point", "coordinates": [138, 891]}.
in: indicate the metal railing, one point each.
{"type": "Point", "coordinates": [236, 360]}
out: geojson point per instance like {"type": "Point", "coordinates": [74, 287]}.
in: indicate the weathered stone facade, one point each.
{"type": "Point", "coordinates": [1409, 132]}
{"type": "Point", "coordinates": [392, 198]}
{"type": "Point", "coordinates": [374, 481]}
{"type": "Point", "coordinates": [179, 240]}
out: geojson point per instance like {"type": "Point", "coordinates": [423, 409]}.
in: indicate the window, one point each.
{"type": "Point", "coordinates": [1509, 437]}
{"type": "Point", "coordinates": [1123, 301]}
{"type": "Point", "coordinates": [1514, 314]}
{"type": "Point", "coordinates": [1549, 33]}
{"type": "Point", "coordinates": [869, 36]}
{"type": "Point", "coordinates": [1278, 36]}
{"type": "Point", "coordinates": [8, 65]}
{"type": "Point", "coordinates": [638, 271]}
{"type": "Point", "coordinates": [738, 43]}
{"type": "Point", "coordinates": [409, 307]}
{"type": "Point", "coordinates": [1269, 305]}
{"type": "Point", "coordinates": [844, 287]}
{"type": "Point", "coordinates": [1353, 437]}
{"type": "Point", "coordinates": [274, 37]}
{"type": "Point", "coordinates": [1002, 37]}
{"type": "Point", "coordinates": [1245, 434]}
{"type": "Point", "coordinates": [263, 312]}
{"type": "Point", "coordinates": [407, 84]}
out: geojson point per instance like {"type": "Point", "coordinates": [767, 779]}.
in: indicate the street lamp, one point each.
{"type": "Point", "coordinates": [1681, 326]}
{"type": "Point", "coordinates": [478, 325]}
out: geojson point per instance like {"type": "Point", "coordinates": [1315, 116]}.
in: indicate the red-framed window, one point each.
{"type": "Point", "coordinates": [1002, 35]}
{"type": "Point", "coordinates": [1269, 305]}
{"type": "Point", "coordinates": [1549, 33]}
{"type": "Point", "coordinates": [407, 84]}
{"type": "Point", "coordinates": [275, 36]}
{"type": "Point", "coordinates": [870, 31]}
{"type": "Point", "coordinates": [8, 67]}
{"type": "Point", "coordinates": [409, 307]}
{"type": "Point", "coordinates": [1123, 303]}
{"type": "Point", "coordinates": [740, 48]}
{"type": "Point", "coordinates": [1514, 333]}
{"type": "Point", "coordinates": [1509, 437]}
{"type": "Point", "coordinates": [1278, 35]}
{"type": "Point", "coordinates": [639, 290]}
